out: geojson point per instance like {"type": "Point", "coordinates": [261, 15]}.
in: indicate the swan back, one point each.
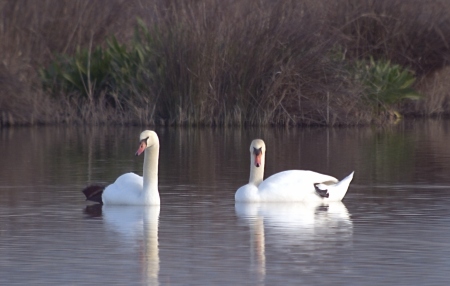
{"type": "Point", "coordinates": [126, 190]}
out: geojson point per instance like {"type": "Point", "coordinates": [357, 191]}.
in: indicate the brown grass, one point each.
{"type": "Point", "coordinates": [226, 62]}
{"type": "Point", "coordinates": [32, 33]}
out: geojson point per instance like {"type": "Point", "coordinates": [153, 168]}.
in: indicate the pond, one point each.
{"type": "Point", "coordinates": [393, 227]}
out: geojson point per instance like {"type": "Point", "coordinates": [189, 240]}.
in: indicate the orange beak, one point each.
{"type": "Point", "coordinates": [142, 147]}
{"type": "Point", "coordinates": [258, 160]}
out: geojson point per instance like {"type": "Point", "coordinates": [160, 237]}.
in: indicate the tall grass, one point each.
{"type": "Point", "coordinates": [33, 33]}
{"type": "Point", "coordinates": [412, 33]}
{"type": "Point", "coordinates": [241, 63]}
{"type": "Point", "coordinates": [208, 62]}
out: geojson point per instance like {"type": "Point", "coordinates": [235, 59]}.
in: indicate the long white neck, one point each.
{"type": "Point", "coordinates": [256, 173]}
{"type": "Point", "coordinates": [150, 175]}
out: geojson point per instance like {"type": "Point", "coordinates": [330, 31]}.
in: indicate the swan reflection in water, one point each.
{"type": "Point", "coordinates": [138, 225]}
{"type": "Point", "coordinates": [310, 234]}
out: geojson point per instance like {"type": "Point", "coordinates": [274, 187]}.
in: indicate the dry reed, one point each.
{"type": "Point", "coordinates": [220, 62]}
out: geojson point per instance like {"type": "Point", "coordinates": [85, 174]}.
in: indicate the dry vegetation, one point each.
{"type": "Point", "coordinates": [215, 62]}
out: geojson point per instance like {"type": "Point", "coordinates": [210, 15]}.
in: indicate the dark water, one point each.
{"type": "Point", "coordinates": [393, 227]}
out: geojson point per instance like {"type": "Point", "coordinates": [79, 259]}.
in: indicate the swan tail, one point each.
{"type": "Point", "coordinates": [94, 193]}
{"type": "Point", "coordinates": [321, 190]}
{"type": "Point", "coordinates": [338, 192]}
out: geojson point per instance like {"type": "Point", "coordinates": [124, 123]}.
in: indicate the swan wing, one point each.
{"type": "Point", "coordinates": [293, 185]}
{"type": "Point", "coordinates": [126, 190]}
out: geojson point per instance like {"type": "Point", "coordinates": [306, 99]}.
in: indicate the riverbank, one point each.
{"type": "Point", "coordinates": [223, 62]}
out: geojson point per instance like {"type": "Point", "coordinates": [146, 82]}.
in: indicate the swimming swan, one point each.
{"type": "Point", "coordinates": [132, 189]}
{"type": "Point", "coordinates": [288, 186]}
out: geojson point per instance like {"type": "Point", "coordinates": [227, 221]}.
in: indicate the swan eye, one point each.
{"type": "Point", "coordinates": [145, 141]}
{"type": "Point", "coordinates": [257, 151]}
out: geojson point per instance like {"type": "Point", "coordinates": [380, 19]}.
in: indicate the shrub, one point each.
{"type": "Point", "coordinates": [218, 62]}
{"type": "Point", "coordinates": [385, 84]}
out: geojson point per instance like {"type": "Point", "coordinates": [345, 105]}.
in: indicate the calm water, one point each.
{"type": "Point", "coordinates": [393, 227]}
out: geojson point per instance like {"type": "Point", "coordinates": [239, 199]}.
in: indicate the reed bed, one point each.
{"type": "Point", "coordinates": [218, 63]}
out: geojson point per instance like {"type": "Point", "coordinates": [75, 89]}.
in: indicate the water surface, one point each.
{"type": "Point", "coordinates": [392, 227]}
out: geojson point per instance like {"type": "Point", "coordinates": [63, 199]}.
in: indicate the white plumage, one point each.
{"type": "Point", "coordinates": [288, 186]}
{"type": "Point", "coordinates": [132, 189]}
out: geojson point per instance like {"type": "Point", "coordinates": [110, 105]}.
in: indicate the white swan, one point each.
{"type": "Point", "coordinates": [132, 189]}
{"type": "Point", "coordinates": [288, 186]}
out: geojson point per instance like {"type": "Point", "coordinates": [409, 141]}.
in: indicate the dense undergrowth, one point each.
{"type": "Point", "coordinates": [217, 62]}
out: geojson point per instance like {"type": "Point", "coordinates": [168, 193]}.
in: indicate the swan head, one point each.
{"type": "Point", "coordinates": [257, 151]}
{"type": "Point", "coordinates": [147, 139]}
